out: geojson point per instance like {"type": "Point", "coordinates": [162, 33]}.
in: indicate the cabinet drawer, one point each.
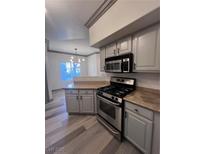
{"type": "Point", "coordinates": [85, 91]}
{"type": "Point", "coordinates": [139, 110]}
{"type": "Point", "coordinates": [71, 91]}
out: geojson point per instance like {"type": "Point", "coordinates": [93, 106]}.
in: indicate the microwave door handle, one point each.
{"type": "Point", "coordinates": [122, 66]}
{"type": "Point", "coordinates": [128, 65]}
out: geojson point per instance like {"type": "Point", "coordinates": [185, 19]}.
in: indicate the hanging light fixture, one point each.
{"type": "Point", "coordinates": [76, 58]}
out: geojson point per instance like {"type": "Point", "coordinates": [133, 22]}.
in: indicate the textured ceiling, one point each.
{"type": "Point", "coordinates": [65, 21]}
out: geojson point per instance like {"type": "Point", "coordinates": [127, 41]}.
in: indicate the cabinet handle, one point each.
{"type": "Point", "coordinates": [77, 97]}
{"type": "Point", "coordinates": [118, 51]}
{"type": "Point", "coordinates": [114, 51]}
{"type": "Point", "coordinates": [81, 97]}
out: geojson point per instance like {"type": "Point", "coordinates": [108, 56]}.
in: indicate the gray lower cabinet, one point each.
{"type": "Point", "coordinates": [72, 103]}
{"type": "Point", "coordinates": [80, 101]}
{"type": "Point", "coordinates": [138, 129]}
{"type": "Point", "coordinates": [95, 101]}
{"type": "Point", "coordinates": [86, 104]}
{"type": "Point", "coordinates": [156, 134]}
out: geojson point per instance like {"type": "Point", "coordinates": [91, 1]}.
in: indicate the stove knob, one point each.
{"type": "Point", "coordinates": [113, 97]}
{"type": "Point", "coordinates": [116, 99]}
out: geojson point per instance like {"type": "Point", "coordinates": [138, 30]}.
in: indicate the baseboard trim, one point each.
{"type": "Point", "coordinates": [49, 101]}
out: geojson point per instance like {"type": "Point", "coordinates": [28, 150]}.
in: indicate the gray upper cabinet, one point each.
{"type": "Point", "coordinates": [145, 46]}
{"type": "Point", "coordinates": [111, 50]}
{"type": "Point", "coordinates": [124, 45]}
{"type": "Point", "coordinates": [146, 50]}
{"type": "Point", "coordinates": [102, 59]}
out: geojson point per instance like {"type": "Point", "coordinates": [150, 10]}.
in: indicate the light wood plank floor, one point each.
{"type": "Point", "coordinates": [78, 134]}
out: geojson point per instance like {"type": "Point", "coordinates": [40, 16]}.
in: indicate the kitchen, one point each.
{"type": "Point", "coordinates": [102, 77]}
{"type": "Point", "coordinates": [89, 77]}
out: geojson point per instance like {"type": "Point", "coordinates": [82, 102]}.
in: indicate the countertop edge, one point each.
{"type": "Point", "coordinates": [85, 85]}
{"type": "Point", "coordinates": [144, 106]}
{"type": "Point", "coordinates": [80, 88]}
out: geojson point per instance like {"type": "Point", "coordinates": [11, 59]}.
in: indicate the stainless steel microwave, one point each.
{"type": "Point", "coordinates": [119, 64]}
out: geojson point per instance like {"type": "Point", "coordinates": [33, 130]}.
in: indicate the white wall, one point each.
{"type": "Point", "coordinates": [94, 65]}
{"type": "Point", "coordinates": [48, 79]}
{"type": "Point", "coordinates": [54, 60]}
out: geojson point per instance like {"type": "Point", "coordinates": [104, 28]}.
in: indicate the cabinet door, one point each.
{"type": "Point", "coordinates": [138, 130]}
{"type": "Point", "coordinates": [102, 59]}
{"type": "Point", "coordinates": [146, 50]}
{"type": "Point", "coordinates": [86, 104]}
{"type": "Point", "coordinates": [124, 46]}
{"type": "Point", "coordinates": [158, 50]}
{"type": "Point", "coordinates": [72, 103]}
{"type": "Point", "coordinates": [95, 102]}
{"type": "Point", "coordinates": [111, 50]}
{"type": "Point", "coordinates": [156, 134]}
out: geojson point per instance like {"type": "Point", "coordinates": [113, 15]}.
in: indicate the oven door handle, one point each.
{"type": "Point", "coordinates": [115, 104]}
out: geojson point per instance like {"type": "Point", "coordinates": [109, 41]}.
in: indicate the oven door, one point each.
{"type": "Point", "coordinates": [113, 66]}
{"type": "Point", "coordinates": [110, 111]}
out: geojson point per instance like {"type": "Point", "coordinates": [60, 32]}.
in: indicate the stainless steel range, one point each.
{"type": "Point", "coordinates": [110, 104]}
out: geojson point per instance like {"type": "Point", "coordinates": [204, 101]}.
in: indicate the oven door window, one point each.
{"type": "Point", "coordinates": [108, 109]}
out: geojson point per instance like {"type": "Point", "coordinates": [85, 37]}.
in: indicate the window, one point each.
{"type": "Point", "coordinates": [69, 70]}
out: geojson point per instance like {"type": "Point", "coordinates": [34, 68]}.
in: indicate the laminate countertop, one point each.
{"type": "Point", "coordinates": [144, 97]}
{"type": "Point", "coordinates": [86, 85]}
